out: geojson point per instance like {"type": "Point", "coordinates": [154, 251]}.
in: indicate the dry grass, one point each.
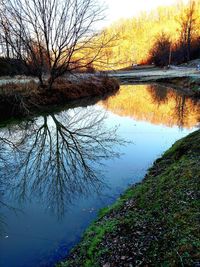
{"type": "Point", "coordinates": [22, 99]}
{"type": "Point", "coordinates": [91, 87]}
{"type": "Point", "coordinates": [19, 88]}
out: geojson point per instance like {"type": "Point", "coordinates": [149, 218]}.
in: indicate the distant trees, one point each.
{"type": "Point", "coordinates": [57, 36]}
{"type": "Point", "coordinates": [50, 35]}
{"type": "Point", "coordinates": [185, 44]}
{"type": "Point", "coordinates": [136, 36]}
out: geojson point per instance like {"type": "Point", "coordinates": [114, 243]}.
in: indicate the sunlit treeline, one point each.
{"type": "Point", "coordinates": [157, 105]}
{"type": "Point", "coordinates": [166, 35]}
{"type": "Point", "coordinates": [137, 36]}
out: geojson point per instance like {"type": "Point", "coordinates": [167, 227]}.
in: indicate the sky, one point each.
{"type": "Point", "coordinates": [128, 8]}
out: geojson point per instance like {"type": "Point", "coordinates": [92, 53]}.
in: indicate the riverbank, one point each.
{"type": "Point", "coordinates": [155, 223]}
{"type": "Point", "coordinates": [26, 98]}
{"type": "Point", "coordinates": [186, 79]}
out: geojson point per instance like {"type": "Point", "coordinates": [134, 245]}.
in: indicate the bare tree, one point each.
{"type": "Point", "coordinates": [5, 37]}
{"type": "Point", "coordinates": [55, 36]}
{"type": "Point", "coordinates": [187, 23]}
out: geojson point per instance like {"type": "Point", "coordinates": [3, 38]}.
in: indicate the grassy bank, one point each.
{"type": "Point", "coordinates": [25, 99]}
{"type": "Point", "coordinates": [156, 222]}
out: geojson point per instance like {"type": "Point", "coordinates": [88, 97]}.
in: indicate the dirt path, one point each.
{"type": "Point", "coordinates": [155, 74]}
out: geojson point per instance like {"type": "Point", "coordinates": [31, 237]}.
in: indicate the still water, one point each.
{"type": "Point", "coordinates": [58, 170]}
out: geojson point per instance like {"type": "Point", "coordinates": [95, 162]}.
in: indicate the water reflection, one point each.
{"type": "Point", "coordinates": [52, 163]}
{"type": "Point", "coordinates": [54, 158]}
{"type": "Point", "coordinates": [156, 104]}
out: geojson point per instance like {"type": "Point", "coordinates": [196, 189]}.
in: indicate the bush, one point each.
{"type": "Point", "coordinates": [11, 67]}
{"type": "Point", "coordinates": [159, 54]}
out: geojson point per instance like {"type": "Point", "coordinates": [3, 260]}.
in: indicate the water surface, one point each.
{"type": "Point", "coordinates": [58, 170]}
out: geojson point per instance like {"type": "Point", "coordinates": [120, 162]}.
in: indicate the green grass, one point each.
{"type": "Point", "coordinates": [89, 246]}
{"type": "Point", "coordinates": [164, 206]}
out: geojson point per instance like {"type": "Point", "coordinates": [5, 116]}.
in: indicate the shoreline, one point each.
{"type": "Point", "coordinates": [26, 100]}
{"type": "Point", "coordinates": [153, 222]}
{"type": "Point", "coordinates": [183, 79]}
{"type": "Point", "coordinates": [18, 101]}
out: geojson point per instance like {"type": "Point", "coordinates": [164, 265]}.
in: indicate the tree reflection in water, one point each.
{"type": "Point", "coordinates": [159, 94]}
{"type": "Point", "coordinates": [159, 105]}
{"type": "Point", "coordinates": [56, 158]}
{"type": "Point", "coordinates": [181, 110]}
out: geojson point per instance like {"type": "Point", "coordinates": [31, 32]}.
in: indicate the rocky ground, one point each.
{"type": "Point", "coordinates": [155, 223]}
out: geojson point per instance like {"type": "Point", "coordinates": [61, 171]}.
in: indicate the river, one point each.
{"type": "Point", "coordinates": [58, 170]}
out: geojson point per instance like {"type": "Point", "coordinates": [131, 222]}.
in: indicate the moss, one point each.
{"type": "Point", "coordinates": [158, 219]}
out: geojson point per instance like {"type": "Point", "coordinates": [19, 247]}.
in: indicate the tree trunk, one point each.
{"type": "Point", "coordinates": [41, 82]}
{"type": "Point", "coordinates": [50, 83]}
